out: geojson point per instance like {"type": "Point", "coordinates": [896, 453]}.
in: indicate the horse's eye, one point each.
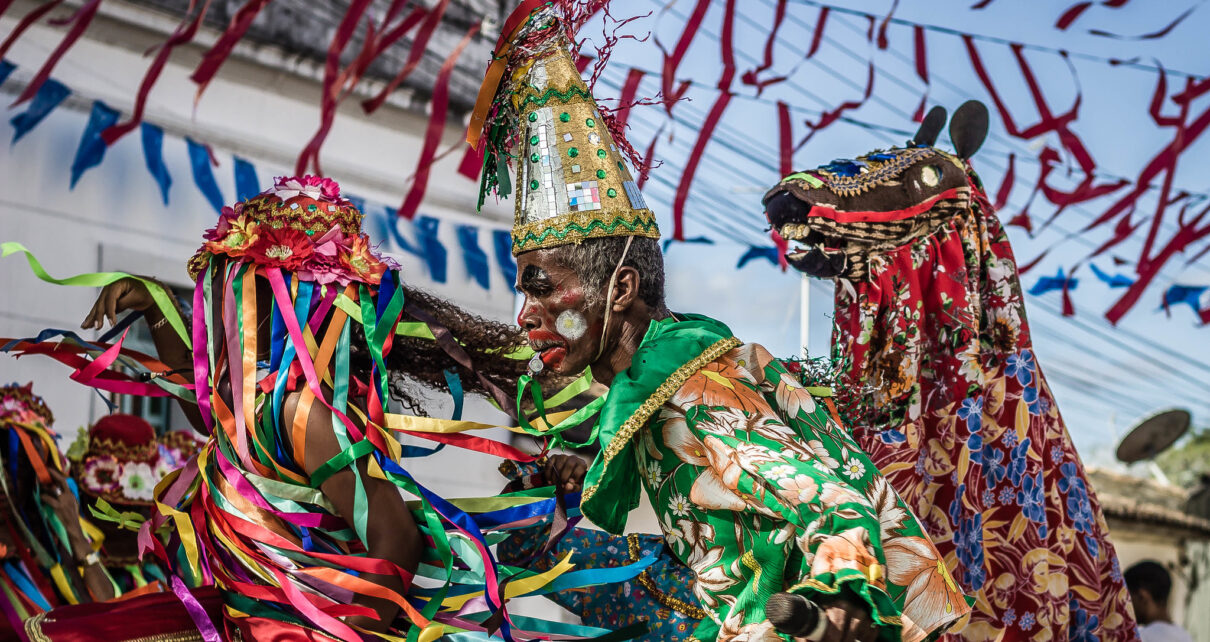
{"type": "Point", "coordinates": [930, 175]}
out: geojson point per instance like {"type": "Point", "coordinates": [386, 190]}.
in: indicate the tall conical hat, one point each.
{"type": "Point", "coordinates": [572, 182]}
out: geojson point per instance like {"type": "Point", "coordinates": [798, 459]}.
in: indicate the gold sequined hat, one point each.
{"type": "Point", "coordinates": [572, 182]}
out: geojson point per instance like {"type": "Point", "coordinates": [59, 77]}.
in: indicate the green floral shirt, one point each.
{"type": "Point", "coordinates": [759, 489]}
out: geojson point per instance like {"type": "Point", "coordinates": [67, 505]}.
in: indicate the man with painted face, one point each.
{"type": "Point", "coordinates": [758, 489]}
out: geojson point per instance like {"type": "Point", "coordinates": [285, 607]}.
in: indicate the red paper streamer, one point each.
{"type": "Point", "coordinates": [981, 4]}
{"type": "Point", "coordinates": [629, 90]}
{"type": "Point", "coordinates": [1006, 185]}
{"type": "Point", "coordinates": [648, 158]}
{"type": "Point", "coordinates": [183, 34]}
{"type": "Point", "coordinates": [30, 18]}
{"type": "Point", "coordinates": [785, 166]}
{"type": "Point", "coordinates": [331, 87]}
{"type": "Point", "coordinates": [922, 70]}
{"type": "Point", "coordinates": [218, 53]}
{"type": "Point", "coordinates": [882, 39]}
{"type": "Point", "coordinates": [79, 21]}
{"type": "Point", "coordinates": [831, 116]}
{"type": "Point", "coordinates": [414, 56]}
{"type": "Point", "coordinates": [1147, 36]}
{"type": "Point", "coordinates": [432, 137]}
{"type": "Point", "coordinates": [817, 37]}
{"type": "Point", "coordinates": [708, 126]}
{"type": "Point", "coordinates": [752, 76]}
{"type": "Point", "coordinates": [1069, 308]}
{"type": "Point", "coordinates": [673, 61]}
{"type": "Point", "coordinates": [1071, 14]}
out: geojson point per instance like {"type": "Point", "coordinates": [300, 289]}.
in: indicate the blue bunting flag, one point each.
{"type": "Point", "coordinates": [92, 147]}
{"type": "Point", "coordinates": [203, 174]}
{"type": "Point", "coordinates": [153, 154]}
{"type": "Point", "coordinates": [49, 96]}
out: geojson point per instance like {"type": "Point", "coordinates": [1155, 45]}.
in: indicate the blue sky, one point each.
{"type": "Point", "coordinates": [1104, 377]}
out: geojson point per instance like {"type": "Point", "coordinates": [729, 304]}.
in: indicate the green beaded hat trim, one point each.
{"type": "Point", "coordinates": [575, 227]}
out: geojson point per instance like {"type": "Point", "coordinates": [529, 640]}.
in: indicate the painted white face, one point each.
{"type": "Point", "coordinates": [571, 324]}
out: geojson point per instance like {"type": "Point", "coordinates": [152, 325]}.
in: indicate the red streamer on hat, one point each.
{"type": "Point", "coordinates": [221, 49]}
{"type": "Point", "coordinates": [30, 18]}
{"type": "Point", "coordinates": [671, 62]}
{"type": "Point", "coordinates": [184, 33]}
{"type": "Point", "coordinates": [711, 122]}
{"type": "Point", "coordinates": [472, 162]}
{"type": "Point", "coordinates": [432, 137]}
{"type": "Point", "coordinates": [419, 45]}
{"type": "Point", "coordinates": [752, 76]}
{"type": "Point", "coordinates": [79, 21]}
{"type": "Point", "coordinates": [817, 37]}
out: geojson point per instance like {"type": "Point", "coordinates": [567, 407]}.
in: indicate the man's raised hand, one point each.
{"type": "Point", "coordinates": [119, 296]}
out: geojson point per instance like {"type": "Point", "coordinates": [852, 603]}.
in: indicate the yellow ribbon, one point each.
{"type": "Point", "coordinates": [447, 426]}
{"type": "Point", "coordinates": [518, 587]}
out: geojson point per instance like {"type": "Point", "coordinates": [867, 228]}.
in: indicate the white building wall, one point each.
{"type": "Point", "coordinates": [115, 219]}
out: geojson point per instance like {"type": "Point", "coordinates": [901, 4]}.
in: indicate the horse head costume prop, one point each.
{"type": "Point", "coordinates": [931, 334]}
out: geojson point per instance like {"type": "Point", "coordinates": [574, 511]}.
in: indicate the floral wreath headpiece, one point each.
{"type": "Point", "coordinates": [301, 224]}
{"type": "Point", "coordinates": [123, 460]}
{"type": "Point", "coordinates": [19, 405]}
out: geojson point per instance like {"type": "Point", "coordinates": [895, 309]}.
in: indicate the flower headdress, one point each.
{"type": "Point", "coordinates": [22, 410]}
{"type": "Point", "coordinates": [124, 461]}
{"type": "Point", "coordinates": [302, 225]}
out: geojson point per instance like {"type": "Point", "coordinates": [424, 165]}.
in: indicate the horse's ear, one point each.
{"type": "Point", "coordinates": [968, 128]}
{"type": "Point", "coordinates": [933, 123]}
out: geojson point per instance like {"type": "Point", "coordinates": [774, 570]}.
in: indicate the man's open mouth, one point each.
{"type": "Point", "coordinates": [550, 347]}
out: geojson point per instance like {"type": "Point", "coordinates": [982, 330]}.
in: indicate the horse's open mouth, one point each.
{"type": "Point", "coordinates": [813, 252]}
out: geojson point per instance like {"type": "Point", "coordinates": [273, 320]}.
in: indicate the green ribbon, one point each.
{"type": "Point", "coordinates": [163, 300]}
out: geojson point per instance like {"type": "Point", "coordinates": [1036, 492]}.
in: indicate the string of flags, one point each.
{"type": "Point", "coordinates": [418, 237]}
{"type": "Point", "coordinates": [421, 240]}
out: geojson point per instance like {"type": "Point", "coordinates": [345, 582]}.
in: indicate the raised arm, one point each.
{"type": "Point", "coordinates": [132, 294]}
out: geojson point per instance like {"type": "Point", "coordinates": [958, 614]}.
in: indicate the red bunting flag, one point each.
{"type": "Point", "coordinates": [79, 21]}
{"type": "Point", "coordinates": [752, 76]}
{"type": "Point", "coordinates": [184, 33]}
{"type": "Point", "coordinates": [708, 126]}
{"type": "Point", "coordinates": [432, 137]}
{"type": "Point", "coordinates": [221, 49]}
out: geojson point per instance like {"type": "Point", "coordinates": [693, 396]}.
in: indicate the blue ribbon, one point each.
{"type": "Point", "coordinates": [49, 96]}
{"type": "Point", "coordinates": [203, 174]}
{"type": "Point", "coordinates": [455, 384]}
{"type": "Point", "coordinates": [453, 515]}
{"type": "Point", "coordinates": [1187, 294]}
{"type": "Point", "coordinates": [246, 183]}
{"type": "Point", "coordinates": [512, 514]}
{"type": "Point", "coordinates": [768, 253]}
{"type": "Point", "coordinates": [6, 68]}
{"type": "Point", "coordinates": [1115, 280]}
{"type": "Point", "coordinates": [1050, 283]}
{"type": "Point", "coordinates": [92, 146]}
{"type": "Point", "coordinates": [153, 154]}
{"type": "Point", "coordinates": [473, 256]}
{"type": "Point", "coordinates": [26, 585]}
{"type": "Point", "coordinates": [503, 240]}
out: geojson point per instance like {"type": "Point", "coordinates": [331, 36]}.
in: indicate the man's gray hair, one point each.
{"type": "Point", "coordinates": [594, 260]}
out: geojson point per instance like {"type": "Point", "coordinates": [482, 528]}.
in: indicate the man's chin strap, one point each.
{"type": "Point", "coordinates": [613, 280]}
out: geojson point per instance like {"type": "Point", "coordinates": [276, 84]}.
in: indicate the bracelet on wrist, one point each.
{"type": "Point", "coordinates": [90, 559]}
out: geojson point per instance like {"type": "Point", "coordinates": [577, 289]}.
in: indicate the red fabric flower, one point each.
{"type": "Point", "coordinates": [362, 261]}
{"type": "Point", "coordinates": [285, 248]}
